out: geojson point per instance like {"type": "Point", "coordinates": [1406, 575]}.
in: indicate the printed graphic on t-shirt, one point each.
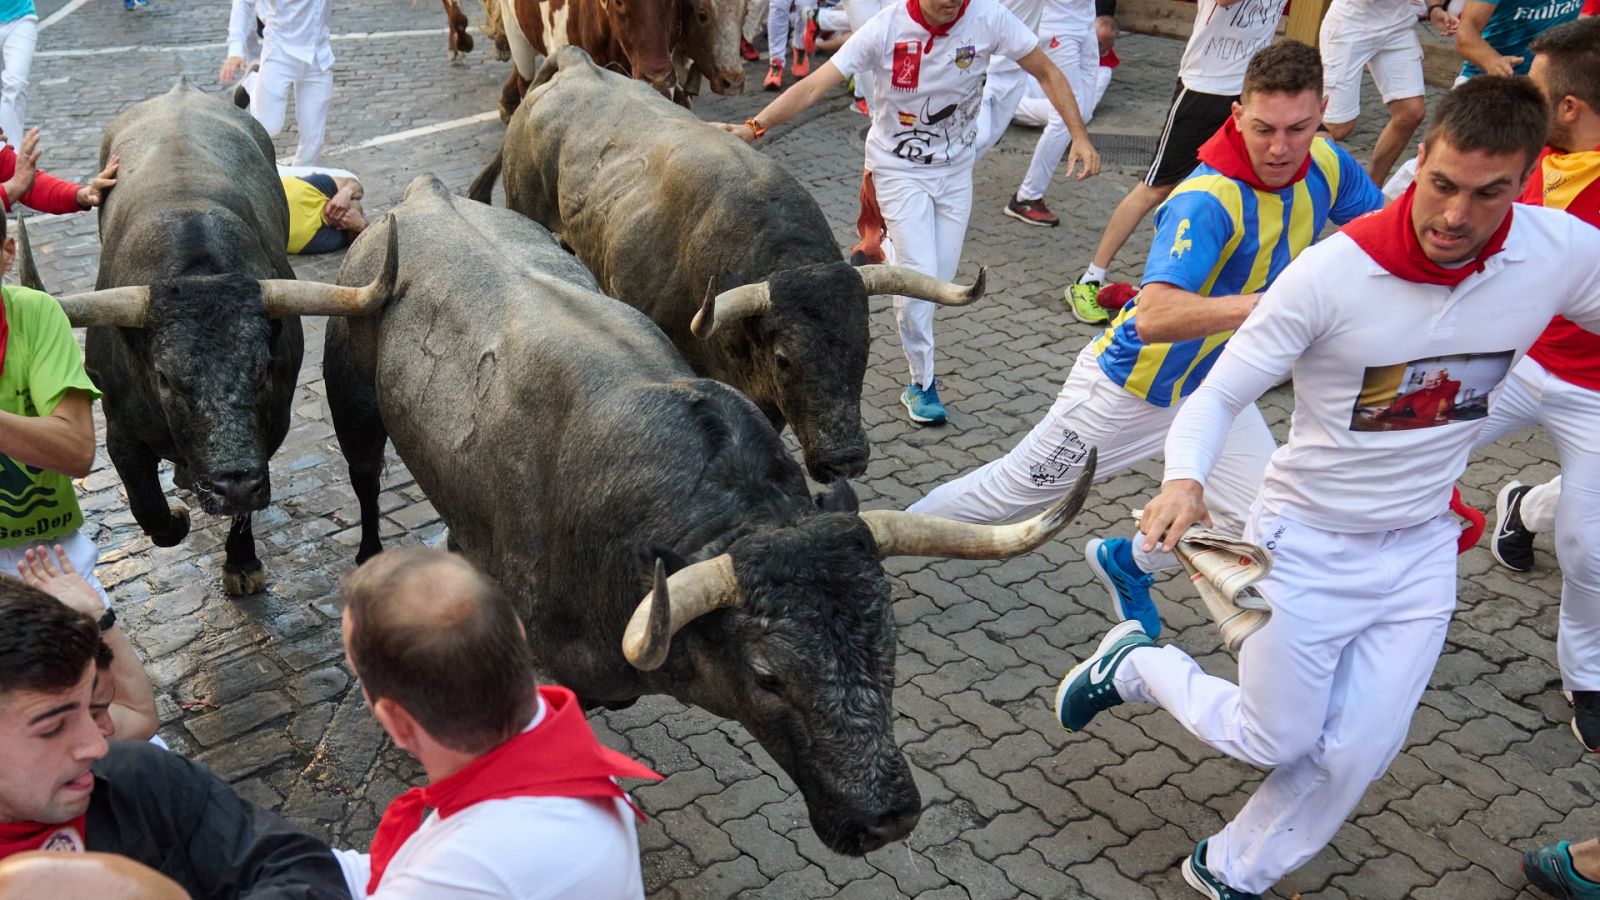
{"type": "Point", "coordinates": [907, 65]}
{"type": "Point", "coordinates": [1234, 41]}
{"type": "Point", "coordinates": [931, 136]}
{"type": "Point", "coordinates": [1425, 393]}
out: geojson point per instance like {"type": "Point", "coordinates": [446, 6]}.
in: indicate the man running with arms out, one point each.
{"type": "Point", "coordinates": [1364, 576]}
{"type": "Point", "coordinates": [1227, 33]}
{"type": "Point", "coordinates": [1264, 190]}
{"type": "Point", "coordinates": [1381, 36]}
{"type": "Point", "coordinates": [928, 60]}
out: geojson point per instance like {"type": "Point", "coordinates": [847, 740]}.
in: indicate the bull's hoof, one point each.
{"type": "Point", "coordinates": [454, 55]}
{"type": "Point", "coordinates": [175, 532]}
{"type": "Point", "coordinates": [241, 581]}
{"type": "Point", "coordinates": [502, 49]}
{"type": "Point", "coordinates": [464, 41]}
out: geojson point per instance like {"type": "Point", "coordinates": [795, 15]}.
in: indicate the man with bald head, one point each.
{"type": "Point", "coordinates": [521, 800]}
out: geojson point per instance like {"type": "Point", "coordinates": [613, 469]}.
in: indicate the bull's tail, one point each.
{"type": "Point", "coordinates": [482, 187]}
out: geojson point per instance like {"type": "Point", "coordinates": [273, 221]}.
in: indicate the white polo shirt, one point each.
{"type": "Point", "coordinates": [1223, 41]}
{"type": "Point", "coordinates": [925, 100]}
{"type": "Point", "coordinates": [1392, 379]}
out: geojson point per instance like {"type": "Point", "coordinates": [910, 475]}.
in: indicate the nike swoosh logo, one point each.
{"type": "Point", "coordinates": [1101, 667]}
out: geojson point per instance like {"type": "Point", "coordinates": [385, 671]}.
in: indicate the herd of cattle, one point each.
{"type": "Point", "coordinates": [617, 466]}
{"type": "Point", "coordinates": [675, 45]}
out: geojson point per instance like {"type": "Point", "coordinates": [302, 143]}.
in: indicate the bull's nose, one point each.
{"type": "Point", "coordinates": [890, 827]}
{"type": "Point", "coordinates": [834, 466]}
{"type": "Point", "coordinates": [728, 83]}
{"type": "Point", "coordinates": [239, 491]}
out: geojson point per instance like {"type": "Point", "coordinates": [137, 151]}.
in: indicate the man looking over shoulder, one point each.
{"type": "Point", "coordinates": [521, 800]}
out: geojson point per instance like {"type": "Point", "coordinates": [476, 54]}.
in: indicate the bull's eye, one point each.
{"type": "Point", "coordinates": [783, 360]}
{"type": "Point", "coordinates": [162, 382]}
{"type": "Point", "coordinates": [769, 682]}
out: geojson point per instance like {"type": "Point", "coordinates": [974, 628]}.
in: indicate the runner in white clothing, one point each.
{"type": "Point", "coordinates": [295, 53]}
{"type": "Point", "coordinates": [1396, 331]}
{"type": "Point", "coordinates": [1381, 36]}
{"type": "Point", "coordinates": [928, 59]}
{"type": "Point", "coordinates": [1066, 32]}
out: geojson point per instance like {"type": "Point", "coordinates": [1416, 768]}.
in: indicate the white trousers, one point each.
{"type": "Point", "coordinates": [778, 22]}
{"type": "Point", "coordinates": [1007, 84]}
{"type": "Point", "coordinates": [755, 20]}
{"type": "Point", "coordinates": [926, 217]}
{"type": "Point", "coordinates": [313, 90]}
{"type": "Point", "coordinates": [82, 551]}
{"type": "Point", "coordinates": [859, 11]}
{"type": "Point", "coordinates": [1538, 511]}
{"type": "Point", "coordinates": [1326, 689]}
{"type": "Point", "coordinates": [17, 39]}
{"type": "Point", "coordinates": [1094, 411]}
{"type": "Point", "coordinates": [1570, 414]}
{"type": "Point", "coordinates": [833, 18]}
{"type": "Point", "coordinates": [1077, 56]}
{"type": "Point", "coordinates": [1035, 108]}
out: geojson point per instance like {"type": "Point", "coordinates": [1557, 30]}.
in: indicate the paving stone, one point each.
{"type": "Point", "coordinates": [982, 880]}
{"type": "Point", "coordinates": [237, 717]}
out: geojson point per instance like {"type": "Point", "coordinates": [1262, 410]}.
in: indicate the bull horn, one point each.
{"type": "Point", "coordinates": [914, 534]}
{"type": "Point", "coordinates": [729, 306]}
{"type": "Point", "coordinates": [123, 307]}
{"type": "Point", "coordinates": [286, 297]}
{"type": "Point", "coordinates": [881, 279]}
{"type": "Point", "coordinates": [690, 593]}
{"type": "Point", "coordinates": [27, 272]}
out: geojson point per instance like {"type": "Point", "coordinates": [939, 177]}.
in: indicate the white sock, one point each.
{"type": "Point", "coordinates": [1093, 273]}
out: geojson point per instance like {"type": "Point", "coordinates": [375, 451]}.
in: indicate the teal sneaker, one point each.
{"type": "Point", "coordinates": [922, 404]}
{"type": "Point", "coordinates": [1201, 879]}
{"type": "Point", "coordinates": [1129, 586]}
{"type": "Point", "coordinates": [1090, 687]}
{"type": "Point", "coordinates": [1550, 870]}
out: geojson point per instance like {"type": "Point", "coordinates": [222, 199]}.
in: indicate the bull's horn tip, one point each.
{"type": "Point", "coordinates": [980, 284]}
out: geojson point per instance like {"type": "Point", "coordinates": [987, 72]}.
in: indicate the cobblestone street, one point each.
{"type": "Point", "coordinates": [257, 688]}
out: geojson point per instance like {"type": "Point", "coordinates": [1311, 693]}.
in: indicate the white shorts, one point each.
{"type": "Point", "coordinates": [1394, 58]}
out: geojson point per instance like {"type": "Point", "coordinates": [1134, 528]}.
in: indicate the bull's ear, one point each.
{"type": "Point", "coordinates": [839, 498]}
{"type": "Point", "coordinates": [27, 272]}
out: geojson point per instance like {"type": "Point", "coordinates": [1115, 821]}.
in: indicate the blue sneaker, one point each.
{"type": "Point", "coordinates": [1112, 562]}
{"type": "Point", "coordinates": [922, 404]}
{"type": "Point", "coordinates": [1550, 870]}
{"type": "Point", "coordinates": [1201, 879]}
{"type": "Point", "coordinates": [1089, 687]}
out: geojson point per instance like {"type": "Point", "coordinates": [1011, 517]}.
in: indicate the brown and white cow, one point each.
{"type": "Point", "coordinates": [459, 43]}
{"type": "Point", "coordinates": [707, 45]}
{"type": "Point", "coordinates": [633, 37]}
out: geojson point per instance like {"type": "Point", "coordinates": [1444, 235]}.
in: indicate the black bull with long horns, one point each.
{"type": "Point", "coordinates": [650, 525]}
{"type": "Point", "coordinates": [194, 330]}
{"type": "Point", "coordinates": [674, 217]}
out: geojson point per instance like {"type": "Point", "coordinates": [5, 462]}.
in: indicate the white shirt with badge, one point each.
{"type": "Point", "coordinates": [1223, 41]}
{"type": "Point", "coordinates": [927, 91]}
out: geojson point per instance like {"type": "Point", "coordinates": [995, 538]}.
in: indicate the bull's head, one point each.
{"type": "Point", "coordinates": [644, 29]}
{"type": "Point", "coordinates": [809, 325]}
{"type": "Point", "coordinates": [216, 359]}
{"type": "Point", "coordinates": [709, 32]}
{"type": "Point", "coordinates": [795, 639]}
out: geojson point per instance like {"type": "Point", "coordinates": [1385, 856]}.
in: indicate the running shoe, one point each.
{"type": "Point", "coordinates": [1512, 544]}
{"type": "Point", "coordinates": [1083, 298]}
{"type": "Point", "coordinates": [802, 63]}
{"type": "Point", "coordinates": [748, 50]}
{"type": "Point", "coordinates": [809, 41]}
{"type": "Point", "coordinates": [1550, 869]}
{"type": "Point", "coordinates": [1112, 562]}
{"type": "Point", "coordinates": [774, 80]}
{"type": "Point", "coordinates": [1033, 212]}
{"type": "Point", "coordinates": [1090, 687]}
{"type": "Point", "coordinates": [922, 404]}
{"type": "Point", "coordinates": [861, 107]}
{"type": "Point", "coordinates": [1586, 718]}
{"type": "Point", "coordinates": [1201, 879]}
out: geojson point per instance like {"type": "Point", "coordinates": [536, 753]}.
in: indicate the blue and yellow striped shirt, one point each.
{"type": "Point", "coordinates": [1217, 236]}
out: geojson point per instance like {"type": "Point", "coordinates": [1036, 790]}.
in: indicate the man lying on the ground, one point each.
{"type": "Point", "coordinates": [324, 211]}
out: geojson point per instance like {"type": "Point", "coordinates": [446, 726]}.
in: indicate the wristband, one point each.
{"type": "Point", "coordinates": [108, 621]}
{"type": "Point", "coordinates": [756, 128]}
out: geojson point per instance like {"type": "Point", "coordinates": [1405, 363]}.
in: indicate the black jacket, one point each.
{"type": "Point", "coordinates": [174, 816]}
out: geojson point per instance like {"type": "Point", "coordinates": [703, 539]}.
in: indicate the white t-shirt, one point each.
{"type": "Point", "coordinates": [1028, 11]}
{"type": "Point", "coordinates": [925, 100]}
{"type": "Point", "coordinates": [1067, 17]}
{"type": "Point", "coordinates": [1375, 16]}
{"type": "Point", "coordinates": [1223, 41]}
{"type": "Point", "coordinates": [1392, 379]}
{"type": "Point", "coordinates": [296, 28]}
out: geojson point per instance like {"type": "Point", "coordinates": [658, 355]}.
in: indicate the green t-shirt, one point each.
{"type": "Point", "coordinates": [42, 363]}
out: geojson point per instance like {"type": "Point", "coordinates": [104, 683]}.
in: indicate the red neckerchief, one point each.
{"type": "Point", "coordinates": [1390, 239]}
{"type": "Point", "coordinates": [1476, 521]}
{"type": "Point", "coordinates": [914, 9]}
{"type": "Point", "coordinates": [560, 757]}
{"type": "Point", "coordinates": [20, 837]}
{"type": "Point", "coordinates": [1225, 151]}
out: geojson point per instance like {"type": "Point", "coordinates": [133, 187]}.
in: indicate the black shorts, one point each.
{"type": "Point", "coordinates": [1191, 121]}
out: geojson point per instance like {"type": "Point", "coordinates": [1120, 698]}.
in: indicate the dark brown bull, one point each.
{"type": "Point", "coordinates": [633, 37]}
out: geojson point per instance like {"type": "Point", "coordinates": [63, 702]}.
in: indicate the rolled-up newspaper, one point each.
{"type": "Point", "coordinates": [1224, 570]}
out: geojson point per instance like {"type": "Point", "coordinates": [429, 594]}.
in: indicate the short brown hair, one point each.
{"type": "Point", "coordinates": [45, 646]}
{"type": "Point", "coordinates": [1492, 114]}
{"type": "Point", "coordinates": [1285, 67]}
{"type": "Point", "coordinates": [438, 637]}
{"type": "Point", "coordinates": [1572, 54]}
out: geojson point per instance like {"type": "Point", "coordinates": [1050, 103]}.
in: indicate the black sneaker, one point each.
{"type": "Point", "coordinates": [1512, 544]}
{"type": "Point", "coordinates": [1586, 718]}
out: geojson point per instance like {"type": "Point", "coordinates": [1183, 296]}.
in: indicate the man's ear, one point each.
{"type": "Point", "coordinates": [397, 722]}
